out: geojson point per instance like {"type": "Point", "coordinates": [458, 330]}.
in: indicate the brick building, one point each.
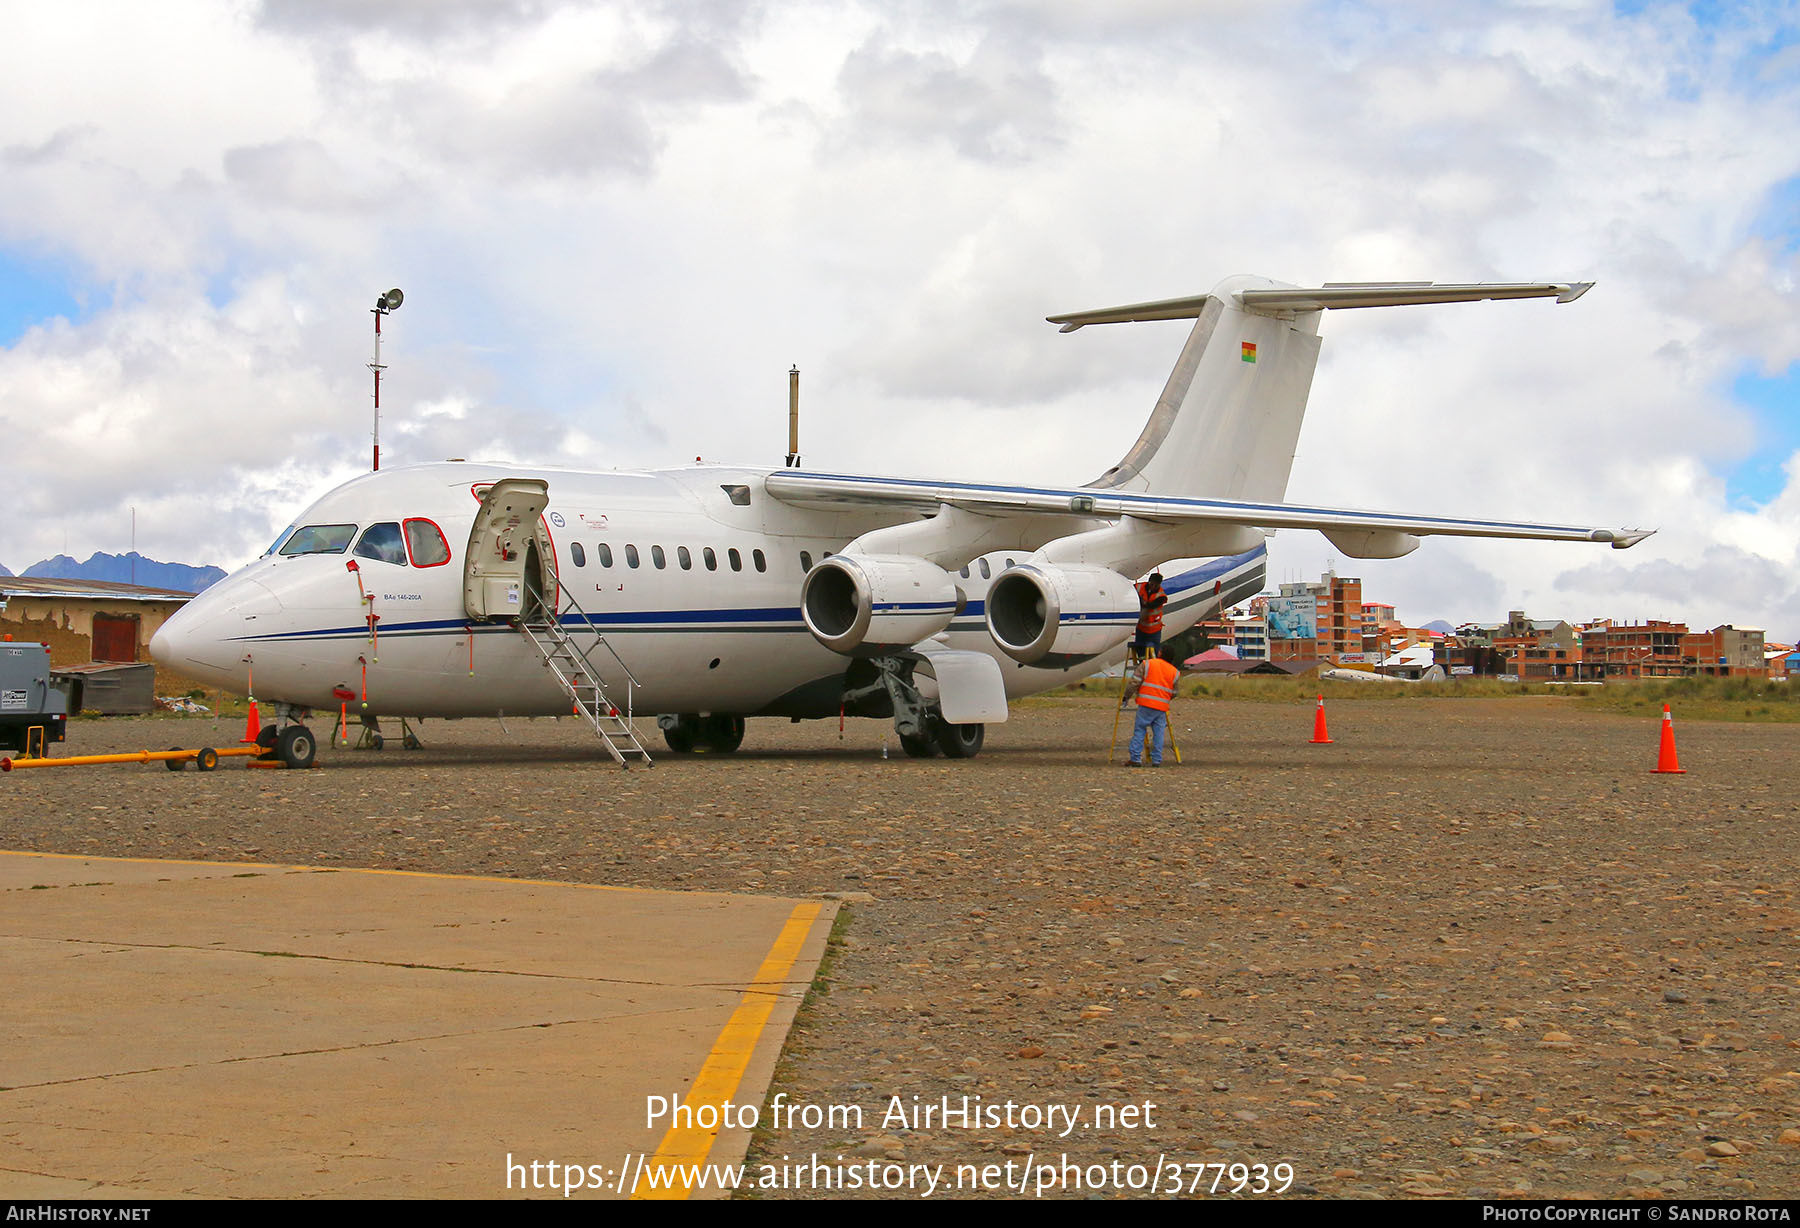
{"type": "Point", "coordinates": [1322, 621]}
{"type": "Point", "coordinates": [1650, 649]}
{"type": "Point", "coordinates": [1725, 652]}
{"type": "Point", "coordinates": [85, 620]}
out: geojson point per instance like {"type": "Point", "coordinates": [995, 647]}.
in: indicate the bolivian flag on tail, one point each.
{"type": "Point", "coordinates": [1249, 351]}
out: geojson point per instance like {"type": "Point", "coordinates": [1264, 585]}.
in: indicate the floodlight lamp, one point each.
{"type": "Point", "coordinates": [389, 301]}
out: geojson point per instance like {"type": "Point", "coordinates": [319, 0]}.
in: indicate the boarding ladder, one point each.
{"type": "Point", "coordinates": [574, 671]}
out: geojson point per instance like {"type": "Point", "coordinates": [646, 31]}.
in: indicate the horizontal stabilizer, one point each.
{"type": "Point", "coordinates": [1337, 295]}
{"type": "Point", "coordinates": [1162, 309]}
{"type": "Point", "coordinates": [1405, 293]}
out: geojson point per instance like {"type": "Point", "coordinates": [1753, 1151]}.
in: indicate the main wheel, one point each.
{"type": "Point", "coordinates": [721, 734]}
{"type": "Point", "coordinates": [679, 736]}
{"type": "Point", "coordinates": [959, 741]}
{"type": "Point", "coordinates": [295, 746]}
{"type": "Point", "coordinates": [918, 747]}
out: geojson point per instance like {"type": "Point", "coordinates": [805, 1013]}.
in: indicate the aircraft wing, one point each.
{"type": "Point", "coordinates": [828, 490]}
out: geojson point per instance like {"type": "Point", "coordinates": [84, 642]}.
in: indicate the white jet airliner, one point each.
{"type": "Point", "coordinates": [706, 595]}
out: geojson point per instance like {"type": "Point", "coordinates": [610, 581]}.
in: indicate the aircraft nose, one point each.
{"type": "Point", "coordinates": [201, 637]}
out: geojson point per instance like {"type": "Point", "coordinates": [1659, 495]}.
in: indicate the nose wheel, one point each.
{"type": "Point", "coordinates": [296, 747]}
{"type": "Point", "coordinates": [293, 744]}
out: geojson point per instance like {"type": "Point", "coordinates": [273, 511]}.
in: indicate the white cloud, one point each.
{"type": "Point", "coordinates": [617, 225]}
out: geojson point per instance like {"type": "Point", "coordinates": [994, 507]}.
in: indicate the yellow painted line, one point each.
{"type": "Point", "coordinates": [274, 865]}
{"type": "Point", "coordinates": [685, 1146]}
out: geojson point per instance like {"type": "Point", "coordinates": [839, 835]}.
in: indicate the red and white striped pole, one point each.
{"type": "Point", "coordinates": [384, 304]}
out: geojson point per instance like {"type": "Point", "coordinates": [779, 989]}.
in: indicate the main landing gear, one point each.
{"type": "Point", "coordinates": [689, 733]}
{"type": "Point", "coordinates": [953, 741]}
{"type": "Point", "coordinates": [921, 725]}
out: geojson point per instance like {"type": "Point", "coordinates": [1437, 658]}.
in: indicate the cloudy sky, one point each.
{"type": "Point", "coordinates": [618, 224]}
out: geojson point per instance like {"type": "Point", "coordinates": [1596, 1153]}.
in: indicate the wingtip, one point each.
{"type": "Point", "coordinates": [1625, 539]}
{"type": "Point", "coordinates": [1576, 290]}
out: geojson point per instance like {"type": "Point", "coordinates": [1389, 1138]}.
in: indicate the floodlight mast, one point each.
{"type": "Point", "coordinates": [383, 304]}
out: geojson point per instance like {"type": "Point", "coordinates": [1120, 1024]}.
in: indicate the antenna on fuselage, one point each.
{"type": "Point", "coordinates": [793, 456]}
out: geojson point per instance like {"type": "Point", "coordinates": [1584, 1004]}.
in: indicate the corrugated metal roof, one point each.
{"type": "Point", "coordinates": [37, 586]}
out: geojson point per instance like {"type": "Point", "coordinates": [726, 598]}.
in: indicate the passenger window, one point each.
{"type": "Point", "coordinates": [986, 572]}
{"type": "Point", "coordinates": [805, 561]}
{"type": "Point", "coordinates": [382, 542]}
{"type": "Point", "coordinates": [737, 560]}
{"type": "Point", "coordinates": [658, 558]}
{"type": "Point", "coordinates": [712, 560]}
{"type": "Point", "coordinates": [762, 564]}
{"type": "Point", "coordinates": [631, 556]}
{"type": "Point", "coordinates": [965, 571]}
{"type": "Point", "coordinates": [425, 543]}
{"type": "Point", "coordinates": [605, 553]}
{"type": "Point", "coordinates": [684, 558]}
{"type": "Point", "coordinates": [578, 554]}
{"type": "Point", "coordinates": [1009, 562]}
{"type": "Point", "coordinates": [319, 539]}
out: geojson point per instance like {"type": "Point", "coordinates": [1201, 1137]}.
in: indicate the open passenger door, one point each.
{"type": "Point", "coordinates": [510, 568]}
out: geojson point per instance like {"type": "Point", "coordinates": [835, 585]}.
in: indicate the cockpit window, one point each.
{"type": "Point", "coordinates": [425, 542]}
{"type": "Point", "coordinates": [281, 541]}
{"type": "Point", "coordinates": [319, 539]}
{"type": "Point", "coordinates": [382, 543]}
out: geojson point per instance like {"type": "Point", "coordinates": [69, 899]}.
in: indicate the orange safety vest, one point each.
{"type": "Point", "coordinates": [1158, 686]}
{"type": "Point", "coordinates": [1150, 608]}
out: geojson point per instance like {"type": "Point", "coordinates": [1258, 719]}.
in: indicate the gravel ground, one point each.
{"type": "Point", "coordinates": [1472, 948]}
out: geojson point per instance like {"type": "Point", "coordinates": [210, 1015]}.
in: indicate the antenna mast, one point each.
{"type": "Point", "coordinates": [793, 455]}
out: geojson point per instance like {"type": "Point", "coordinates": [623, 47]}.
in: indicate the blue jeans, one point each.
{"type": "Point", "coordinates": [1155, 722]}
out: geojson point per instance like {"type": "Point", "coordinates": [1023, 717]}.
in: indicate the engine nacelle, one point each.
{"type": "Point", "coordinates": [1042, 614]}
{"type": "Point", "coordinates": [867, 604]}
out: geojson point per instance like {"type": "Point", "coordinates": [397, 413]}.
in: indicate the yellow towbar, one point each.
{"type": "Point", "coordinates": [205, 758]}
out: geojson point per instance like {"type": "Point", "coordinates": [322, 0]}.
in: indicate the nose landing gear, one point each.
{"type": "Point", "coordinates": [287, 739]}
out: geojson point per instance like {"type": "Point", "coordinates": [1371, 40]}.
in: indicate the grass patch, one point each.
{"type": "Point", "coordinates": [1706, 699]}
{"type": "Point", "coordinates": [762, 1138]}
{"type": "Point", "coordinates": [1702, 699]}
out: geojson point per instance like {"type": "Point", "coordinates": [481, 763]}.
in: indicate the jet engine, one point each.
{"type": "Point", "coordinates": [869, 604]}
{"type": "Point", "coordinates": [1042, 614]}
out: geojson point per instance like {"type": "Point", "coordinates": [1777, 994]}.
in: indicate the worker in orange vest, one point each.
{"type": "Point", "coordinates": [1151, 600]}
{"type": "Point", "coordinates": [1155, 688]}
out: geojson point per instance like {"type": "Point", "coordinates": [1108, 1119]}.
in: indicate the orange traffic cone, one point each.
{"type": "Point", "coordinates": [1319, 734]}
{"type": "Point", "coordinates": [1665, 754]}
{"type": "Point", "coordinates": [252, 723]}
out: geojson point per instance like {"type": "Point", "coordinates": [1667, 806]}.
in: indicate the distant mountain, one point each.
{"type": "Point", "coordinates": [1438, 624]}
{"type": "Point", "coordinates": [3, 571]}
{"type": "Point", "coordinates": [131, 568]}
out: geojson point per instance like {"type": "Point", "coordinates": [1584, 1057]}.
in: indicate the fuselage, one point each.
{"type": "Point", "coordinates": [692, 576]}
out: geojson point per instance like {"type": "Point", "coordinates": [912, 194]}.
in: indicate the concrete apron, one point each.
{"type": "Point", "coordinates": [233, 1030]}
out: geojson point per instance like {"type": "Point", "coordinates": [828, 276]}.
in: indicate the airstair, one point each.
{"type": "Point", "coordinates": [574, 670]}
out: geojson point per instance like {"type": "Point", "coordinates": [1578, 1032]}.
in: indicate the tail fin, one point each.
{"type": "Point", "coordinates": [1227, 422]}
